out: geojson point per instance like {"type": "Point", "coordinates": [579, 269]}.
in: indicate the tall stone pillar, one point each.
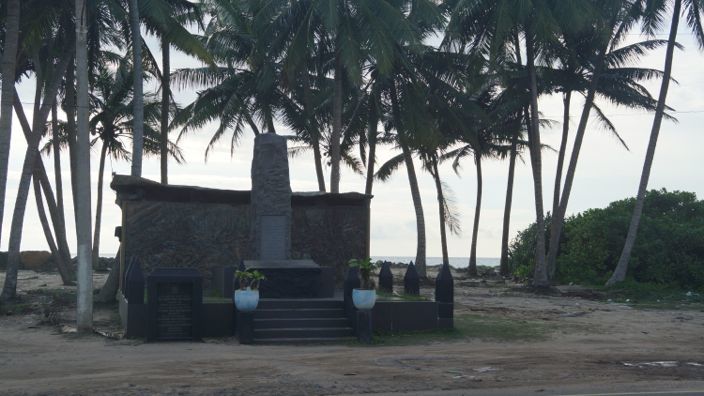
{"type": "Point", "coordinates": [271, 198]}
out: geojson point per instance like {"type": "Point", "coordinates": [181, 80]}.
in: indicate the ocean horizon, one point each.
{"type": "Point", "coordinates": [456, 262]}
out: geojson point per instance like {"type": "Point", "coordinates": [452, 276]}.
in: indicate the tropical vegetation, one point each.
{"type": "Point", "coordinates": [668, 252]}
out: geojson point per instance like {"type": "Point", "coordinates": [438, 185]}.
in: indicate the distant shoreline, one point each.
{"type": "Point", "coordinates": [456, 262]}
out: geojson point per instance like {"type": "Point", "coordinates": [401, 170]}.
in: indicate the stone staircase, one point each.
{"type": "Point", "coordinates": [301, 320]}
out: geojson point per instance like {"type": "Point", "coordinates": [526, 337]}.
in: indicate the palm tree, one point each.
{"type": "Point", "coordinates": [55, 50]}
{"type": "Point", "coordinates": [9, 58]}
{"type": "Point", "coordinates": [605, 73]}
{"type": "Point", "coordinates": [138, 120]}
{"type": "Point", "coordinates": [84, 289]}
{"type": "Point", "coordinates": [112, 123]}
{"type": "Point", "coordinates": [653, 16]}
{"type": "Point", "coordinates": [167, 19]}
{"type": "Point", "coordinates": [489, 26]}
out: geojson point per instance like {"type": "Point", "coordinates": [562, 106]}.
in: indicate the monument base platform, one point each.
{"type": "Point", "coordinates": [293, 278]}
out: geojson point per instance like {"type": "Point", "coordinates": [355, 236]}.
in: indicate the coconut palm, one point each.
{"type": "Point", "coordinates": [7, 69]}
{"type": "Point", "coordinates": [653, 16]}
{"type": "Point", "coordinates": [138, 120]}
{"type": "Point", "coordinates": [168, 19]}
{"type": "Point", "coordinates": [84, 284]}
{"type": "Point", "coordinates": [599, 68]}
{"type": "Point", "coordinates": [51, 51]}
{"type": "Point", "coordinates": [489, 26]}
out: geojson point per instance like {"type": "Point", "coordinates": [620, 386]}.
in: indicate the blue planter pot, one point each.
{"type": "Point", "coordinates": [364, 299]}
{"type": "Point", "coordinates": [246, 300]}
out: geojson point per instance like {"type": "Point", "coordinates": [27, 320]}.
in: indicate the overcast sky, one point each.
{"type": "Point", "coordinates": [606, 171]}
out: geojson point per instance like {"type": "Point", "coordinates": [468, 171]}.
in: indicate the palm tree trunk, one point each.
{"type": "Point", "coordinates": [9, 289]}
{"type": "Point", "coordinates": [56, 146]}
{"type": "Point", "coordinates": [318, 158]}
{"type": "Point", "coordinates": [9, 62]}
{"type": "Point", "coordinates": [441, 209]}
{"type": "Point", "coordinates": [336, 136]}
{"type": "Point", "coordinates": [566, 99]}
{"type": "Point", "coordinates": [138, 117]}
{"type": "Point", "coordinates": [540, 277]}
{"type": "Point", "coordinates": [371, 139]}
{"type": "Point", "coordinates": [418, 207]}
{"type": "Point", "coordinates": [165, 100]}
{"type": "Point", "coordinates": [621, 268]}
{"type": "Point", "coordinates": [39, 175]}
{"type": "Point", "coordinates": [313, 133]}
{"type": "Point", "coordinates": [99, 205]}
{"type": "Point", "coordinates": [84, 289]}
{"type": "Point", "coordinates": [503, 266]}
{"type": "Point", "coordinates": [413, 184]}
{"type": "Point", "coordinates": [45, 223]}
{"type": "Point", "coordinates": [558, 217]}
{"type": "Point", "coordinates": [70, 111]}
{"type": "Point", "coordinates": [477, 213]}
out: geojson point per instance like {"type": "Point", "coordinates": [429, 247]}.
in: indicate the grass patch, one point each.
{"type": "Point", "coordinates": [469, 327]}
{"type": "Point", "coordinates": [386, 296]}
{"type": "Point", "coordinates": [654, 296]}
{"type": "Point", "coordinates": [216, 300]}
{"type": "Point", "coordinates": [39, 301]}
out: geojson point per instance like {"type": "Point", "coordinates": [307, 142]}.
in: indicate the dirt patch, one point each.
{"type": "Point", "coordinates": [505, 338]}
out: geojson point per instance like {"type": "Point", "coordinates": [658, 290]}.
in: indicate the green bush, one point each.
{"type": "Point", "coordinates": [669, 249]}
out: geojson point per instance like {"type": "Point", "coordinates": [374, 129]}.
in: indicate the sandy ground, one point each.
{"type": "Point", "coordinates": [585, 346]}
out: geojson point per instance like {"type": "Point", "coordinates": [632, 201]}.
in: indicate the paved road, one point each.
{"type": "Point", "coordinates": [659, 388]}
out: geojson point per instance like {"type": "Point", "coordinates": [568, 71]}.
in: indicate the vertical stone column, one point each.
{"type": "Point", "coordinates": [271, 198]}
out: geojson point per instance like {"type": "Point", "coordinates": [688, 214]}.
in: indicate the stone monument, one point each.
{"type": "Point", "coordinates": [271, 198]}
{"type": "Point", "coordinates": [271, 225]}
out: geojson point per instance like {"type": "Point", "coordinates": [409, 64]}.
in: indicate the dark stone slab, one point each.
{"type": "Point", "coordinates": [364, 326]}
{"type": "Point", "coordinates": [134, 282]}
{"type": "Point", "coordinates": [445, 296]}
{"type": "Point", "coordinates": [404, 316]}
{"type": "Point", "coordinates": [218, 320]}
{"type": "Point", "coordinates": [223, 280]}
{"type": "Point", "coordinates": [351, 282]}
{"type": "Point", "coordinates": [133, 318]}
{"type": "Point", "coordinates": [174, 305]}
{"type": "Point", "coordinates": [326, 286]}
{"type": "Point", "coordinates": [245, 327]}
{"type": "Point", "coordinates": [386, 278]}
{"type": "Point", "coordinates": [411, 280]}
{"type": "Point", "coordinates": [271, 198]}
{"type": "Point", "coordinates": [287, 278]}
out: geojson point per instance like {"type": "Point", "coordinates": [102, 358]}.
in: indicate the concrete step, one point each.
{"type": "Point", "coordinates": [313, 332]}
{"type": "Point", "coordinates": [299, 303]}
{"type": "Point", "coordinates": [280, 323]}
{"type": "Point", "coordinates": [309, 340]}
{"type": "Point", "coordinates": [306, 313]}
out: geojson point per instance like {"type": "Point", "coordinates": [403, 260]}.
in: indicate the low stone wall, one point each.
{"type": "Point", "coordinates": [404, 316]}
{"type": "Point", "coordinates": [180, 226]}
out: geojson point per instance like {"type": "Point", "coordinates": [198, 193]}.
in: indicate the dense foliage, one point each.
{"type": "Point", "coordinates": [669, 249]}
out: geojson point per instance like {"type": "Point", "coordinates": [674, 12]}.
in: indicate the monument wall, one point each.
{"type": "Point", "coordinates": [180, 226]}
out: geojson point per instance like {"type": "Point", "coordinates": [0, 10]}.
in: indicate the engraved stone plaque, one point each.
{"type": "Point", "coordinates": [274, 230]}
{"type": "Point", "coordinates": [174, 304]}
{"type": "Point", "coordinates": [174, 311]}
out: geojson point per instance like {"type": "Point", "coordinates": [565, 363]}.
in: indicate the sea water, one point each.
{"type": "Point", "coordinates": [457, 262]}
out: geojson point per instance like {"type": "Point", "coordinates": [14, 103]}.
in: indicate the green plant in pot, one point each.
{"type": "Point", "coordinates": [364, 297]}
{"type": "Point", "coordinates": [247, 296]}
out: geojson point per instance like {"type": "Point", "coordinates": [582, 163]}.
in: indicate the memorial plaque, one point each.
{"type": "Point", "coordinates": [174, 304]}
{"type": "Point", "coordinates": [174, 311]}
{"type": "Point", "coordinates": [273, 238]}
